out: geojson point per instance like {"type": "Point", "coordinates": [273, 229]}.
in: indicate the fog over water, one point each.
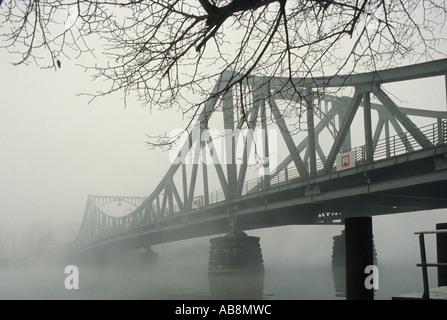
{"type": "Point", "coordinates": [297, 263]}
{"type": "Point", "coordinates": [56, 149]}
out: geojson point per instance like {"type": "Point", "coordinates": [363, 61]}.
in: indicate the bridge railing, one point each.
{"type": "Point", "coordinates": [406, 143]}
{"type": "Point", "coordinates": [385, 148]}
{"type": "Point", "coordinates": [424, 264]}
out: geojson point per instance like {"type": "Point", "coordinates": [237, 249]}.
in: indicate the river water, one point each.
{"type": "Point", "coordinates": [188, 280]}
{"type": "Point", "coordinates": [297, 263]}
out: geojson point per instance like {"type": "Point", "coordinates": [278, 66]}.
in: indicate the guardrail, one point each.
{"type": "Point", "coordinates": [424, 264]}
{"type": "Point", "coordinates": [386, 148]}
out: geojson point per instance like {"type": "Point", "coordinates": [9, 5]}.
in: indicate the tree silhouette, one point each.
{"type": "Point", "coordinates": [169, 53]}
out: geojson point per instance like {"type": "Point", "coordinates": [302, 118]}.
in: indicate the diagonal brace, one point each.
{"type": "Point", "coordinates": [344, 128]}
{"type": "Point", "coordinates": [287, 138]}
{"type": "Point", "coordinates": [403, 118]}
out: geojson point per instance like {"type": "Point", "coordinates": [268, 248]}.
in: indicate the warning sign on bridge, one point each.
{"type": "Point", "coordinates": [346, 160]}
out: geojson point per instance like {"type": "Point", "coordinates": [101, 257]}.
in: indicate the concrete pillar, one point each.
{"type": "Point", "coordinates": [359, 255]}
{"type": "Point", "coordinates": [236, 268]}
{"type": "Point", "coordinates": [441, 252]}
{"type": "Point", "coordinates": [149, 257]}
{"type": "Point", "coordinates": [236, 251]}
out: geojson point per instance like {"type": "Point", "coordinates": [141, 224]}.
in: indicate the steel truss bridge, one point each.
{"type": "Point", "coordinates": [398, 167]}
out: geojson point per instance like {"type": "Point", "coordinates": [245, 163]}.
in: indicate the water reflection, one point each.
{"type": "Point", "coordinates": [339, 275]}
{"type": "Point", "coordinates": [339, 265]}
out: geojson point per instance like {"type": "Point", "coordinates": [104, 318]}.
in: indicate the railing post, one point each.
{"type": "Point", "coordinates": [387, 139]}
{"type": "Point", "coordinates": [426, 294]}
{"type": "Point", "coordinates": [434, 135]}
{"type": "Point", "coordinates": [441, 252]}
{"type": "Point", "coordinates": [394, 145]}
{"type": "Point", "coordinates": [440, 132]}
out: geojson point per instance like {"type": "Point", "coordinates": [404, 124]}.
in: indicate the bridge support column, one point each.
{"type": "Point", "coordinates": [441, 252]}
{"type": "Point", "coordinates": [236, 269]}
{"type": "Point", "coordinates": [359, 255]}
{"type": "Point", "coordinates": [149, 257]}
{"type": "Point", "coordinates": [339, 263]}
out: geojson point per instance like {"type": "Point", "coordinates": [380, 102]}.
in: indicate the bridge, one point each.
{"type": "Point", "coordinates": [285, 155]}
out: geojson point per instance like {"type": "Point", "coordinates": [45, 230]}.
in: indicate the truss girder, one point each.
{"type": "Point", "coordinates": [321, 111]}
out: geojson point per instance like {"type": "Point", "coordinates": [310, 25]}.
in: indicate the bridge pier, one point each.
{"type": "Point", "coordinates": [149, 257]}
{"type": "Point", "coordinates": [359, 255]}
{"type": "Point", "coordinates": [441, 252]}
{"type": "Point", "coordinates": [339, 263]}
{"type": "Point", "coordinates": [236, 268]}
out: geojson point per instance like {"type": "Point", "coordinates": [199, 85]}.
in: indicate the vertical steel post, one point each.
{"type": "Point", "coordinates": [445, 82]}
{"type": "Point", "coordinates": [441, 252]}
{"type": "Point", "coordinates": [368, 126]}
{"type": "Point", "coordinates": [426, 294]}
{"type": "Point", "coordinates": [265, 145]}
{"type": "Point", "coordinates": [185, 185]}
{"type": "Point", "coordinates": [170, 199]}
{"type": "Point", "coordinates": [230, 143]}
{"type": "Point", "coordinates": [440, 134]}
{"type": "Point", "coordinates": [205, 175]}
{"type": "Point", "coordinates": [158, 207]}
{"type": "Point", "coordinates": [359, 255]}
{"type": "Point", "coordinates": [387, 139]}
{"type": "Point", "coordinates": [311, 132]}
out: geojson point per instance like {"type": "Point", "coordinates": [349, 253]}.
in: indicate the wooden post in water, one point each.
{"type": "Point", "coordinates": [359, 255]}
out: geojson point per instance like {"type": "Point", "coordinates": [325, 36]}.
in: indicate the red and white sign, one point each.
{"type": "Point", "coordinates": [197, 202]}
{"type": "Point", "coordinates": [346, 160]}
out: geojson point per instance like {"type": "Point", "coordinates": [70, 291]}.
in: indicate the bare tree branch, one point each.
{"type": "Point", "coordinates": [168, 54]}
